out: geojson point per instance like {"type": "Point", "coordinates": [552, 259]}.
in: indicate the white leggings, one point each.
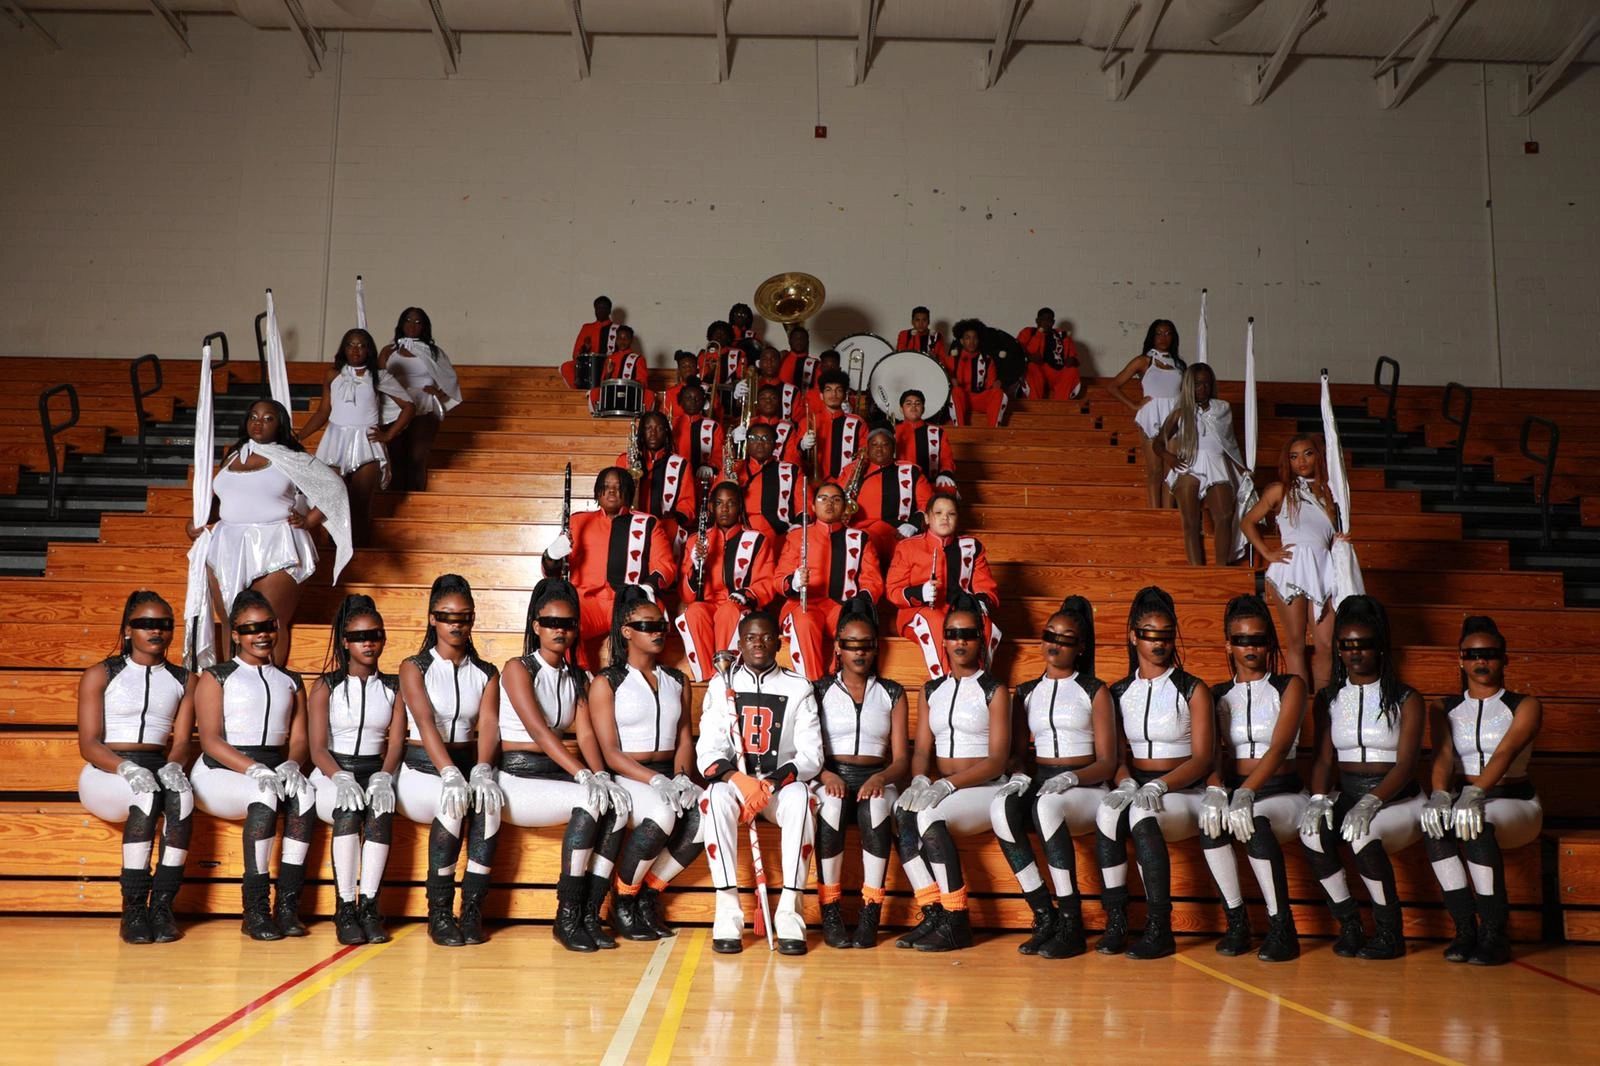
{"type": "Point", "coordinates": [1516, 823]}
{"type": "Point", "coordinates": [417, 797]}
{"type": "Point", "coordinates": [360, 843]}
{"type": "Point", "coordinates": [111, 798]}
{"type": "Point", "coordinates": [1075, 809]}
{"type": "Point", "coordinates": [1282, 814]}
{"type": "Point", "coordinates": [229, 795]}
{"type": "Point", "coordinates": [926, 839]}
{"type": "Point", "coordinates": [1178, 819]}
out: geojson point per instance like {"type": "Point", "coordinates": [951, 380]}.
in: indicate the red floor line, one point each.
{"type": "Point", "coordinates": [1557, 977]}
{"type": "Point", "coordinates": [254, 1005]}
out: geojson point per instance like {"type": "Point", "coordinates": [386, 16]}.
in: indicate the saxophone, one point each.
{"type": "Point", "coordinates": [853, 489]}
{"type": "Point", "coordinates": [635, 457]}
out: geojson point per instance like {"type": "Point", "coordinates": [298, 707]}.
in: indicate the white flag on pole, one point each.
{"type": "Point", "coordinates": [361, 305]}
{"type": "Point", "coordinates": [1200, 332]}
{"type": "Point", "coordinates": [277, 363]}
{"type": "Point", "coordinates": [1342, 555]}
{"type": "Point", "coordinates": [1246, 495]}
{"type": "Point", "coordinates": [200, 632]}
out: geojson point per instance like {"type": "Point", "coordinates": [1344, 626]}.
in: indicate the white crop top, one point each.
{"type": "Point", "coordinates": [355, 401]}
{"type": "Point", "coordinates": [1478, 726]}
{"type": "Point", "coordinates": [456, 692]}
{"type": "Point", "coordinates": [1060, 715]}
{"type": "Point", "coordinates": [1162, 378]}
{"type": "Point", "coordinates": [141, 702]}
{"type": "Point", "coordinates": [1309, 524]}
{"type": "Point", "coordinates": [1247, 714]}
{"type": "Point", "coordinates": [1360, 732]}
{"type": "Point", "coordinates": [647, 718]}
{"type": "Point", "coordinates": [555, 688]}
{"type": "Point", "coordinates": [257, 703]}
{"type": "Point", "coordinates": [1155, 714]}
{"type": "Point", "coordinates": [958, 713]}
{"type": "Point", "coordinates": [253, 497]}
{"type": "Point", "coordinates": [359, 713]}
{"type": "Point", "coordinates": [852, 729]}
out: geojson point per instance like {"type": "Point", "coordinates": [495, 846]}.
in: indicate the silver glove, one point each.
{"type": "Point", "coordinates": [933, 795]}
{"type": "Point", "coordinates": [487, 795]}
{"type": "Point", "coordinates": [453, 794]}
{"type": "Point", "coordinates": [908, 797]}
{"type": "Point", "coordinates": [1213, 811]}
{"type": "Point", "coordinates": [1061, 782]}
{"type": "Point", "coordinates": [173, 779]}
{"type": "Point", "coordinates": [347, 794]}
{"type": "Point", "coordinates": [380, 793]}
{"type": "Point", "coordinates": [1148, 798]}
{"type": "Point", "coordinates": [1469, 813]}
{"type": "Point", "coordinates": [294, 782]}
{"type": "Point", "coordinates": [139, 779]}
{"type": "Point", "coordinates": [1437, 815]}
{"type": "Point", "coordinates": [666, 790]}
{"type": "Point", "coordinates": [266, 779]}
{"type": "Point", "coordinates": [1320, 809]}
{"type": "Point", "coordinates": [1242, 814]}
{"type": "Point", "coordinates": [1359, 820]}
{"type": "Point", "coordinates": [1016, 785]}
{"type": "Point", "coordinates": [621, 800]}
{"type": "Point", "coordinates": [594, 791]}
{"type": "Point", "coordinates": [1119, 798]}
{"type": "Point", "coordinates": [688, 791]}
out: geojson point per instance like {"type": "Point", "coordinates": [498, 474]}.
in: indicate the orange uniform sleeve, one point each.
{"type": "Point", "coordinates": [663, 567]}
{"type": "Point", "coordinates": [871, 570]}
{"type": "Point", "coordinates": [983, 582]}
{"type": "Point", "coordinates": [686, 594]}
{"type": "Point", "coordinates": [904, 573]}
{"type": "Point", "coordinates": [764, 583]}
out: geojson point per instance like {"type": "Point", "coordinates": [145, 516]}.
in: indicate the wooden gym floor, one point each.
{"type": "Point", "coordinates": [74, 993]}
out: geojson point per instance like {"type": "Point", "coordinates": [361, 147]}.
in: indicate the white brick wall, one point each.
{"type": "Point", "coordinates": [148, 199]}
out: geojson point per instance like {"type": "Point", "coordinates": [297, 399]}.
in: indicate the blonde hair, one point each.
{"type": "Point", "coordinates": [1187, 433]}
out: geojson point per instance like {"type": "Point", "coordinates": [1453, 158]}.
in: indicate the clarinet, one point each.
{"type": "Point", "coordinates": [566, 523]}
{"type": "Point", "coordinates": [702, 526]}
{"type": "Point", "coordinates": [805, 543]}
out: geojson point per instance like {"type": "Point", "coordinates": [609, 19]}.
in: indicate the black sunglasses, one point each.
{"type": "Point", "coordinates": [249, 628]}
{"type": "Point", "coordinates": [1486, 655]}
{"type": "Point", "coordinates": [858, 644]}
{"type": "Point", "coordinates": [1250, 640]}
{"type": "Point", "coordinates": [1156, 636]}
{"type": "Point", "coordinates": [1359, 644]}
{"type": "Point", "coordinates": [365, 636]}
{"type": "Point", "coordinates": [961, 633]}
{"type": "Point", "coordinates": [1064, 640]}
{"type": "Point", "coordinates": [654, 625]}
{"type": "Point", "coordinates": [554, 621]}
{"type": "Point", "coordinates": [163, 625]}
{"type": "Point", "coordinates": [460, 618]}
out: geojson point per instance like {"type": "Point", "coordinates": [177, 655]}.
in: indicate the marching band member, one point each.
{"type": "Point", "coordinates": [1052, 360]}
{"type": "Point", "coordinates": [842, 565]}
{"type": "Point", "coordinates": [1067, 715]}
{"type": "Point", "coordinates": [760, 747]}
{"type": "Point", "coordinates": [717, 588]}
{"type": "Point", "coordinates": [696, 435]}
{"type": "Point", "coordinates": [799, 367]}
{"type": "Point", "coordinates": [772, 500]}
{"type": "Point", "coordinates": [1197, 445]}
{"type": "Point", "coordinates": [1482, 738]}
{"type": "Point", "coordinates": [1160, 373]}
{"type": "Point", "coordinates": [721, 362]}
{"type": "Point", "coordinates": [598, 337]}
{"type": "Point", "coordinates": [447, 780]}
{"type": "Point", "coordinates": [625, 364]}
{"type": "Point", "coordinates": [963, 740]}
{"type": "Point", "coordinates": [640, 713]}
{"type": "Point", "coordinates": [422, 367]}
{"type": "Point", "coordinates": [921, 337]}
{"type": "Point", "coordinates": [838, 436]}
{"type": "Point", "coordinates": [891, 496]}
{"type": "Point", "coordinates": [787, 396]}
{"type": "Point", "coordinates": [251, 716]}
{"type": "Point", "coordinates": [135, 718]}
{"type": "Point", "coordinates": [867, 756]}
{"type": "Point", "coordinates": [934, 568]}
{"type": "Point", "coordinates": [356, 739]}
{"type": "Point", "coordinates": [610, 549]}
{"type": "Point", "coordinates": [975, 378]}
{"type": "Point", "coordinates": [923, 443]}
{"type": "Point", "coordinates": [769, 412]}
{"type": "Point", "coordinates": [1369, 728]}
{"type": "Point", "coordinates": [687, 369]}
{"type": "Point", "coordinates": [666, 486]}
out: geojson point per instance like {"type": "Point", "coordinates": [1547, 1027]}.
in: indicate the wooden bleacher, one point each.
{"type": "Point", "coordinates": [1057, 496]}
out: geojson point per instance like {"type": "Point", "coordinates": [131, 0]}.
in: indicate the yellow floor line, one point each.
{"type": "Point", "coordinates": [213, 1052]}
{"type": "Point", "coordinates": [1273, 997]}
{"type": "Point", "coordinates": [667, 1034]}
{"type": "Point", "coordinates": [628, 1027]}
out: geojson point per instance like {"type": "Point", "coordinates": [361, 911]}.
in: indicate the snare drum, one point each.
{"type": "Point", "coordinates": [619, 398]}
{"type": "Point", "coordinates": [588, 371]}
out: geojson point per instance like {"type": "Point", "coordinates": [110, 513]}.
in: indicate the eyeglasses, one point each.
{"type": "Point", "coordinates": [648, 625]}
{"type": "Point", "coordinates": [1483, 655]}
{"type": "Point", "coordinates": [1156, 636]}
{"type": "Point", "coordinates": [1250, 640]}
{"type": "Point", "coordinates": [1359, 644]}
{"type": "Point", "coordinates": [829, 498]}
{"type": "Point", "coordinates": [455, 618]}
{"type": "Point", "coordinates": [365, 636]}
{"type": "Point", "coordinates": [163, 625]}
{"type": "Point", "coordinates": [555, 621]}
{"type": "Point", "coordinates": [251, 628]}
{"type": "Point", "coordinates": [960, 634]}
{"type": "Point", "coordinates": [1064, 640]}
{"type": "Point", "coordinates": [854, 644]}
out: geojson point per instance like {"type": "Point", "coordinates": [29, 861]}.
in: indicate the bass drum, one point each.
{"type": "Point", "coordinates": [900, 371]}
{"type": "Point", "coordinates": [859, 354]}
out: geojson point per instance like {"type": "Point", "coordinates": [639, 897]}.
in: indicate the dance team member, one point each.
{"type": "Point", "coordinates": [422, 367]}
{"type": "Point", "coordinates": [1160, 373]}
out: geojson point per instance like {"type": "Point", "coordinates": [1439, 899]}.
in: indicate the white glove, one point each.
{"type": "Point", "coordinates": [139, 779]}
{"type": "Point", "coordinates": [559, 548]}
{"type": "Point", "coordinates": [1242, 814]}
{"type": "Point", "coordinates": [688, 791]}
{"type": "Point", "coordinates": [742, 390]}
{"type": "Point", "coordinates": [1053, 786]}
{"type": "Point", "coordinates": [266, 779]}
{"type": "Point", "coordinates": [347, 794]}
{"type": "Point", "coordinates": [666, 790]}
{"type": "Point", "coordinates": [918, 784]}
{"type": "Point", "coordinates": [930, 592]}
{"type": "Point", "coordinates": [1119, 798]}
{"type": "Point", "coordinates": [945, 482]}
{"type": "Point", "coordinates": [620, 799]}
{"type": "Point", "coordinates": [808, 439]}
{"type": "Point", "coordinates": [907, 529]}
{"type": "Point", "coordinates": [487, 795]}
{"type": "Point", "coordinates": [1213, 811]}
{"type": "Point", "coordinates": [1438, 815]}
{"type": "Point", "coordinates": [1359, 820]}
{"type": "Point", "coordinates": [1016, 785]}
{"type": "Point", "coordinates": [594, 791]}
{"type": "Point", "coordinates": [380, 793]}
{"type": "Point", "coordinates": [739, 434]}
{"type": "Point", "coordinates": [1320, 809]}
{"type": "Point", "coordinates": [294, 782]}
{"type": "Point", "coordinates": [1469, 813]}
{"type": "Point", "coordinates": [933, 795]}
{"type": "Point", "coordinates": [1148, 797]}
{"type": "Point", "coordinates": [797, 581]}
{"type": "Point", "coordinates": [173, 779]}
{"type": "Point", "coordinates": [453, 794]}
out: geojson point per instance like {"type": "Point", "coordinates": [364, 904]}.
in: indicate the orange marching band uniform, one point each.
{"type": "Point", "coordinates": [666, 490]}
{"type": "Point", "coordinates": [958, 562]}
{"type": "Point", "coordinates": [976, 387]}
{"type": "Point", "coordinates": [608, 552]}
{"type": "Point", "coordinates": [737, 576]}
{"type": "Point", "coordinates": [930, 448]}
{"type": "Point", "coordinates": [1052, 363]}
{"type": "Point", "coordinates": [842, 564]}
{"type": "Point", "coordinates": [890, 497]}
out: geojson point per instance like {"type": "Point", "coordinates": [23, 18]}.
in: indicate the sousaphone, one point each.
{"type": "Point", "coordinates": [790, 298]}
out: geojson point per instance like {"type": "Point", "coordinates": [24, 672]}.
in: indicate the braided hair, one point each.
{"type": "Point", "coordinates": [1366, 611]}
{"type": "Point", "coordinates": [336, 667]}
{"type": "Point", "coordinates": [854, 612]}
{"type": "Point", "coordinates": [1080, 612]}
{"type": "Point", "coordinates": [549, 590]}
{"type": "Point", "coordinates": [1252, 606]}
{"type": "Point", "coordinates": [447, 585]}
{"type": "Point", "coordinates": [1152, 599]}
{"type": "Point", "coordinates": [136, 599]}
{"type": "Point", "coordinates": [630, 599]}
{"type": "Point", "coordinates": [1150, 341]}
{"type": "Point", "coordinates": [246, 600]}
{"type": "Point", "coordinates": [285, 434]}
{"type": "Point", "coordinates": [978, 617]}
{"type": "Point", "coordinates": [371, 365]}
{"type": "Point", "coordinates": [625, 483]}
{"type": "Point", "coordinates": [1479, 625]}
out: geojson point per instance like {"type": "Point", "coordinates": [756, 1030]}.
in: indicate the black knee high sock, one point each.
{"type": "Point", "coordinates": [480, 842]}
{"type": "Point", "coordinates": [830, 840]}
{"type": "Point", "coordinates": [642, 848]}
{"type": "Point", "coordinates": [907, 837]}
{"type": "Point", "coordinates": [682, 841]}
{"type": "Point", "coordinates": [582, 832]}
{"type": "Point", "coordinates": [1112, 851]}
{"type": "Point", "coordinates": [876, 839]}
{"type": "Point", "coordinates": [260, 823]}
{"type": "Point", "coordinates": [940, 849]}
{"type": "Point", "coordinates": [1485, 851]}
{"type": "Point", "coordinates": [1018, 850]}
{"type": "Point", "coordinates": [444, 848]}
{"type": "Point", "coordinates": [1263, 845]}
{"type": "Point", "coordinates": [1155, 867]}
{"type": "Point", "coordinates": [1373, 863]}
{"type": "Point", "coordinates": [1060, 854]}
{"type": "Point", "coordinates": [378, 828]}
{"type": "Point", "coordinates": [140, 828]}
{"type": "Point", "coordinates": [178, 827]}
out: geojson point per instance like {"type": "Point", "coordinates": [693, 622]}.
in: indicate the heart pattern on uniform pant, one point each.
{"type": "Point", "coordinates": [711, 852]}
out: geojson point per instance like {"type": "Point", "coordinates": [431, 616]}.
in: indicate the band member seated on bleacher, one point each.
{"type": "Point", "coordinates": [772, 487]}
{"type": "Point", "coordinates": [922, 337]}
{"type": "Point", "coordinates": [769, 412]}
{"type": "Point", "coordinates": [666, 485]}
{"type": "Point", "coordinates": [841, 565]}
{"type": "Point", "coordinates": [135, 720]}
{"type": "Point", "coordinates": [625, 364]}
{"type": "Point", "coordinates": [789, 396]}
{"type": "Point", "coordinates": [799, 367]}
{"type": "Point", "coordinates": [610, 549]}
{"type": "Point", "coordinates": [696, 435]}
{"type": "Point", "coordinates": [735, 576]}
{"type": "Point", "coordinates": [1052, 372]}
{"type": "Point", "coordinates": [688, 367]}
{"type": "Point", "coordinates": [923, 443]}
{"type": "Point", "coordinates": [975, 377]}
{"type": "Point", "coordinates": [891, 497]}
{"type": "Point", "coordinates": [760, 747]}
{"type": "Point", "coordinates": [721, 364]}
{"type": "Point", "coordinates": [594, 338]}
{"type": "Point", "coordinates": [934, 571]}
{"type": "Point", "coordinates": [838, 436]}
{"type": "Point", "coordinates": [742, 321]}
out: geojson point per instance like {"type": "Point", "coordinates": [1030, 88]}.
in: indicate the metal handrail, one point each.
{"type": "Point", "coordinates": [1462, 424]}
{"type": "Point", "coordinates": [261, 356]}
{"type": "Point", "coordinates": [1393, 391]}
{"type": "Point", "coordinates": [217, 364]}
{"type": "Point", "coordinates": [139, 395]}
{"type": "Point", "coordinates": [1542, 494]}
{"type": "Point", "coordinates": [50, 431]}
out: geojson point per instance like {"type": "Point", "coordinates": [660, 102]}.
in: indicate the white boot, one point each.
{"type": "Point", "coordinates": [788, 925]}
{"type": "Point", "coordinates": [727, 929]}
